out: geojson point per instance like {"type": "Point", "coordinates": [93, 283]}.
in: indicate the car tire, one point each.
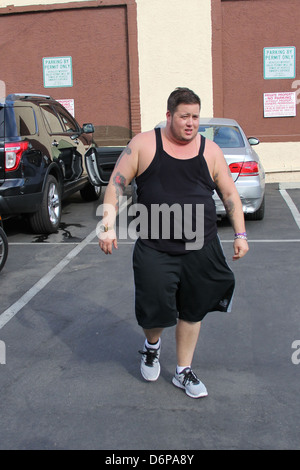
{"type": "Point", "coordinates": [47, 218]}
{"type": "Point", "coordinates": [3, 248]}
{"type": "Point", "coordinates": [259, 214]}
{"type": "Point", "coordinates": [91, 192]}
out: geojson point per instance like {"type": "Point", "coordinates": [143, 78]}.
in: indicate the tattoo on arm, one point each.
{"type": "Point", "coordinates": [126, 151]}
{"type": "Point", "coordinates": [119, 182]}
{"type": "Point", "coordinates": [228, 203]}
{"type": "Point", "coordinates": [230, 208]}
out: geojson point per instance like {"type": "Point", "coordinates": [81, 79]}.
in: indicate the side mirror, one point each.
{"type": "Point", "coordinates": [88, 128]}
{"type": "Point", "coordinates": [253, 141]}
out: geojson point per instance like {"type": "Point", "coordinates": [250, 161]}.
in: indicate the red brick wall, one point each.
{"type": "Point", "coordinates": [241, 30]}
{"type": "Point", "coordinates": [101, 39]}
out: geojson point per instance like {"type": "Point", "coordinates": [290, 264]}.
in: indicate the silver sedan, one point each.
{"type": "Point", "coordinates": [244, 164]}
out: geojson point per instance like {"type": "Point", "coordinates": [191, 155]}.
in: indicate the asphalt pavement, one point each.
{"type": "Point", "coordinates": [69, 342]}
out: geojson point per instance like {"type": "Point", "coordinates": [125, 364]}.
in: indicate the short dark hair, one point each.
{"type": "Point", "coordinates": [182, 95]}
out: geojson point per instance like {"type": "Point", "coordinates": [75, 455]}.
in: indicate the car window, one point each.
{"type": "Point", "coordinates": [19, 121]}
{"type": "Point", "coordinates": [224, 136]}
{"type": "Point", "coordinates": [70, 125]}
{"type": "Point", "coordinates": [25, 120]}
{"type": "Point", "coordinates": [52, 121]}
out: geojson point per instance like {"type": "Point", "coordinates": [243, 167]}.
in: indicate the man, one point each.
{"type": "Point", "coordinates": [177, 282]}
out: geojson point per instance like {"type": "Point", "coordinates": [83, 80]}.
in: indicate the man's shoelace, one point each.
{"type": "Point", "coordinates": [190, 377]}
{"type": "Point", "coordinates": [150, 356]}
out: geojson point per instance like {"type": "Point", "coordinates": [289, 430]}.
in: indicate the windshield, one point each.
{"type": "Point", "coordinates": [224, 136]}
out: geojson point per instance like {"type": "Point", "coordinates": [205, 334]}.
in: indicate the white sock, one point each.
{"type": "Point", "coordinates": [179, 369]}
{"type": "Point", "coordinates": [152, 346]}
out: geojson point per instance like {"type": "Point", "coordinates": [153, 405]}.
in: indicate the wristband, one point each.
{"type": "Point", "coordinates": [242, 237]}
{"type": "Point", "coordinates": [242, 233]}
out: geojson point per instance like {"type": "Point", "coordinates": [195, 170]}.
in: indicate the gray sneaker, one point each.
{"type": "Point", "coordinates": [150, 366]}
{"type": "Point", "coordinates": [188, 381]}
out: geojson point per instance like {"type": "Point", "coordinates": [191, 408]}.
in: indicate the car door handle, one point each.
{"type": "Point", "coordinates": [55, 143]}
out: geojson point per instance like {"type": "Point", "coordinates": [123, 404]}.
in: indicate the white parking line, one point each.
{"type": "Point", "coordinates": [9, 313]}
{"type": "Point", "coordinates": [291, 206]}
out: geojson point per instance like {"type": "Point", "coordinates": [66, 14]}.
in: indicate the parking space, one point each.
{"type": "Point", "coordinates": [71, 376]}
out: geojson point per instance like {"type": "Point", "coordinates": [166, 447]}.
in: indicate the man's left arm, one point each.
{"type": "Point", "coordinates": [232, 202]}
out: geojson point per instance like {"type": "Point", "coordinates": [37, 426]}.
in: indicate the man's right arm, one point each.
{"type": "Point", "coordinates": [125, 170]}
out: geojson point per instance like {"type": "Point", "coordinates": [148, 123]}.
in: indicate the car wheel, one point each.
{"type": "Point", "coordinates": [91, 192]}
{"type": "Point", "coordinates": [47, 218]}
{"type": "Point", "coordinates": [259, 214]}
{"type": "Point", "coordinates": [3, 248]}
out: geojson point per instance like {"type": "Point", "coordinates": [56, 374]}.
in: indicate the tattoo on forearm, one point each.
{"type": "Point", "coordinates": [228, 203]}
{"type": "Point", "coordinates": [230, 208]}
{"type": "Point", "coordinates": [119, 182]}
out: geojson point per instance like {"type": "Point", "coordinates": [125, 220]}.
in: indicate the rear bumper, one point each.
{"type": "Point", "coordinates": [13, 201]}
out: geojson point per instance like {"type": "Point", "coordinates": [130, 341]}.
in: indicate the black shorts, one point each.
{"type": "Point", "coordinates": [188, 286]}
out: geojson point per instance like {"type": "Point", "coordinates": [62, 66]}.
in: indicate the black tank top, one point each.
{"type": "Point", "coordinates": [170, 190]}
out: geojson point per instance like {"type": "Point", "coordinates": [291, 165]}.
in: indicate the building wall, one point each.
{"type": "Point", "coordinates": [93, 64]}
{"type": "Point", "coordinates": [174, 46]}
{"type": "Point", "coordinates": [215, 48]}
{"type": "Point", "coordinates": [100, 41]}
{"type": "Point", "coordinates": [174, 43]}
{"type": "Point", "coordinates": [241, 31]}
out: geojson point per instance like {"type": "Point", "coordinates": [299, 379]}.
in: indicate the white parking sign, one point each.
{"type": "Point", "coordinates": [57, 72]}
{"type": "Point", "coordinates": [279, 62]}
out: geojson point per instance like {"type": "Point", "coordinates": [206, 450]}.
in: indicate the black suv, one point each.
{"type": "Point", "coordinates": [42, 150]}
